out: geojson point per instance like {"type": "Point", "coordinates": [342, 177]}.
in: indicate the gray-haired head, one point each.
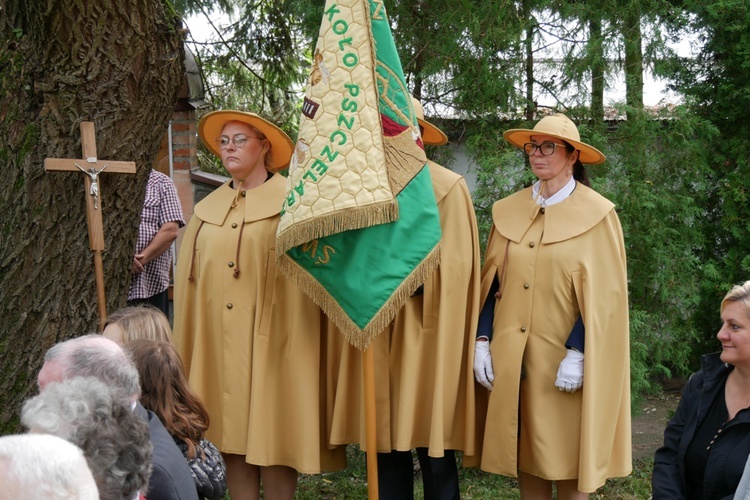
{"type": "Point", "coordinates": [98, 419]}
{"type": "Point", "coordinates": [44, 466]}
{"type": "Point", "coordinates": [91, 356]}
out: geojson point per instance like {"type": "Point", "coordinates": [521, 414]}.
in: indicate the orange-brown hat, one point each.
{"type": "Point", "coordinates": [431, 135]}
{"type": "Point", "coordinates": [280, 152]}
{"type": "Point", "coordinates": [559, 126]}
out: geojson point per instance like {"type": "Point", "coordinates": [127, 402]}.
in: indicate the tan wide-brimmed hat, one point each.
{"type": "Point", "coordinates": [559, 126]}
{"type": "Point", "coordinates": [211, 125]}
{"type": "Point", "coordinates": [431, 135]}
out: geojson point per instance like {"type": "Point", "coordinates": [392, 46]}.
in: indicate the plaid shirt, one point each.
{"type": "Point", "coordinates": [160, 206]}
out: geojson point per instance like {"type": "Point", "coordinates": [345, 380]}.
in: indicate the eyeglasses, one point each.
{"type": "Point", "coordinates": [238, 140]}
{"type": "Point", "coordinates": [547, 148]}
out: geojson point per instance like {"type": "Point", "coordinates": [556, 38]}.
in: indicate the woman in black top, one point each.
{"type": "Point", "coordinates": [707, 441]}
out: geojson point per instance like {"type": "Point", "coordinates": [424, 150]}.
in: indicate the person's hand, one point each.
{"type": "Point", "coordinates": [137, 266]}
{"type": "Point", "coordinates": [483, 371]}
{"type": "Point", "coordinates": [570, 372]}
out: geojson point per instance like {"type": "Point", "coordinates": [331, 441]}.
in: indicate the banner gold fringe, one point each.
{"type": "Point", "coordinates": [347, 220]}
{"type": "Point", "coordinates": [360, 338]}
{"type": "Point", "coordinates": [404, 158]}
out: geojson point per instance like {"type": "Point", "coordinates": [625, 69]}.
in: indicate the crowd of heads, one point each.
{"type": "Point", "coordinates": [99, 420]}
{"type": "Point", "coordinates": [85, 438]}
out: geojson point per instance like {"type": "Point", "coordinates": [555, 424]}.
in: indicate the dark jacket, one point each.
{"type": "Point", "coordinates": [728, 454]}
{"type": "Point", "coordinates": [207, 467]}
{"type": "Point", "coordinates": [170, 475]}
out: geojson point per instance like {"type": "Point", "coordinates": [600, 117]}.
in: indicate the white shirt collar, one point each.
{"type": "Point", "coordinates": [559, 196]}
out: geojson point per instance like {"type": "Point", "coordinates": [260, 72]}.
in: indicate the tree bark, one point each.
{"type": "Point", "coordinates": [598, 62]}
{"type": "Point", "coordinates": [633, 60]}
{"type": "Point", "coordinates": [528, 44]}
{"type": "Point", "coordinates": [61, 63]}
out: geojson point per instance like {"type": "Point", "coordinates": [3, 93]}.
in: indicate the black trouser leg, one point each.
{"type": "Point", "coordinates": [396, 475]}
{"type": "Point", "coordinates": [160, 301]}
{"type": "Point", "coordinates": [439, 475]}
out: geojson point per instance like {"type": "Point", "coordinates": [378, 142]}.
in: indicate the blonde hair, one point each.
{"type": "Point", "coordinates": [738, 293]}
{"type": "Point", "coordinates": [141, 322]}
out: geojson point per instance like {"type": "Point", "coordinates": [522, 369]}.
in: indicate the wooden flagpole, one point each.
{"type": "Point", "coordinates": [371, 438]}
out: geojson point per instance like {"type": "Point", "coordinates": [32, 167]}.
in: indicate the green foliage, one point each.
{"type": "Point", "coordinates": [444, 68]}
{"type": "Point", "coordinates": [636, 486]}
{"type": "Point", "coordinates": [252, 61]}
{"type": "Point", "coordinates": [677, 176]}
{"type": "Point", "coordinates": [501, 170]}
{"type": "Point", "coordinates": [715, 85]}
{"type": "Point", "coordinates": [351, 483]}
{"type": "Point", "coordinates": [657, 187]}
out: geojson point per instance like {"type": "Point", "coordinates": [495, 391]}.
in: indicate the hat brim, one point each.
{"type": "Point", "coordinates": [431, 135]}
{"type": "Point", "coordinates": [587, 154]}
{"type": "Point", "coordinates": [280, 153]}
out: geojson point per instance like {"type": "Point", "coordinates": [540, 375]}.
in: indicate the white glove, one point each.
{"type": "Point", "coordinates": [570, 373]}
{"type": "Point", "coordinates": [483, 371]}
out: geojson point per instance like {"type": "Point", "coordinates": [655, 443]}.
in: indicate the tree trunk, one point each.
{"type": "Point", "coordinates": [61, 63]}
{"type": "Point", "coordinates": [598, 63]}
{"type": "Point", "coordinates": [633, 60]}
{"type": "Point", "coordinates": [529, 50]}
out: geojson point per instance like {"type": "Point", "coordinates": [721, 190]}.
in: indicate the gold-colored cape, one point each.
{"type": "Point", "coordinates": [564, 260]}
{"type": "Point", "coordinates": [252, 344]}
{"type": "Point", "coordinates": [424, 360]}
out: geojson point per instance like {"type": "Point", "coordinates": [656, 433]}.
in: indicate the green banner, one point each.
{"type": "Point", "coordinates": [360, 229]}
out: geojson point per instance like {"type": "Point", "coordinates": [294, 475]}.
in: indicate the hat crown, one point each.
{"type": "Point", "coordinates": [417, 108]}
{"type": "Point", "coordinates": [558, 125]}
{"type": "Point", "coordinates": [431, 135]}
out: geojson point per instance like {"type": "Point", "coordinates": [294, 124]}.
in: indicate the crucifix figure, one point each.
{"type": "Point", "coordinates": [93, 214]}
{"type": "Point", "coordinates": [94, 176]}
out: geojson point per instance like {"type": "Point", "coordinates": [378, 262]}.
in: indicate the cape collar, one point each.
{"type": "Point", "coordinates": [575, 215]}
{"type": "Point", "coordinates": [261, 202]}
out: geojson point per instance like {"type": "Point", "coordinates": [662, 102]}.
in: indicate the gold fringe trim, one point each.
{"type": "Point", "coordinates": [336, 222]}
{"type": "Point", "coordinates": [404, 159]}
{"type": "Point", "coordinates": [359, 338]}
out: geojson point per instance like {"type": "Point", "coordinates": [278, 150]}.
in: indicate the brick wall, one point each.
{"type": "Point", "coordinates": [184, 158]}
{"type": "Point", "coordinates": [184, 140]}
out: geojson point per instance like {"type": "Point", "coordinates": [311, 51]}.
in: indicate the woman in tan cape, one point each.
{"type": "Point", "coordinates": [556, 255]}
{"type": "Point", "coordinates": [423, 360]}
{"type": "Point", "coordinates": [250, 341]}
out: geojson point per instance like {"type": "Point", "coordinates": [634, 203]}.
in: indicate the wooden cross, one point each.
{"type": "Point", "coordinates": [90, 166]}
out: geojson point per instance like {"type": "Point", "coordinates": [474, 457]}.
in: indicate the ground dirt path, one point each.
{"type": "Point", "coordinates": [649, 422]}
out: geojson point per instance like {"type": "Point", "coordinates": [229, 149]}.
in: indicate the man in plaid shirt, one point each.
{"type": "Point", "coordinates": [161, 219]}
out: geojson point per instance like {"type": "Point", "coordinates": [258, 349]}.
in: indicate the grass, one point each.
{"type": "Point", "coordinates": [351, 483]}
